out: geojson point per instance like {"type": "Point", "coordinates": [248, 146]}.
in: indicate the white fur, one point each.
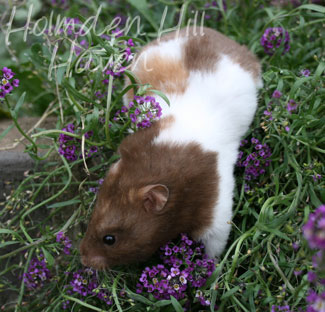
{"type": "Point", "coordinates": [170, 49]}
{"type": "Point", "coordinates": [215, 111]}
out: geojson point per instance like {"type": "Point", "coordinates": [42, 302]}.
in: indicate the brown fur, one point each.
{"type": "Point", "coordinates": [167, 75]}
{"type": "Point", "coordinates": [191, 178]}
{"type": "Point", "coordinates": [203, 48]}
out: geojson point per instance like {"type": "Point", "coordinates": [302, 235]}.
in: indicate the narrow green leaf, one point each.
{"type": "Point", "coordinates": [230, 292]}
{"type": "Point", "coordinates": [48, 257]}
{"type": "Point", "coordinates": [6, 131]}
{"type": "Point", "coordinates": [143, 8]}
{"type": "Point", "coordinates": [76, 93]}
{"type": "Point", "coordinates": [65, 203]}
{"type": "Point", "coordinates": [15, 234]}
{"type": "Point", "coordinates": [313, 7]}
{"type": "Point", "coordinates": [8, 243]}
{"type": "Point", "coordinates": [139, 298]}
{"type": "Point", "coordinates": [162, 303]}
{"type": "Point", "coordinates": [162, 95]}
{"type": "Point", "coordinates": [14, 112]}
{"type": "Point", "coordinates": [82, 303]}
{"type": "Point", "coordinates": [213, 300]}
{"type": "Point", "coordinates": [177, 306]}
{"type": "Point", "coordinates": [320, 69]}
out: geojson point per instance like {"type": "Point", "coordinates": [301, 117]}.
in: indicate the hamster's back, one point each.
{"type": "Point", "coordinates": [210, 80]}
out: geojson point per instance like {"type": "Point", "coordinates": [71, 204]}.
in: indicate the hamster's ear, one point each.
{"type": "Point", "coordinates": [154, 197]}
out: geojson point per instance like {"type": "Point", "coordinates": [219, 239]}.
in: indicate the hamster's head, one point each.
{"type": "Point", "coordinates": [129, 222]}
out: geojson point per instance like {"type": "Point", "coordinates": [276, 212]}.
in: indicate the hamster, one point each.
{"type": "Point", "coordinates": [178, 175]}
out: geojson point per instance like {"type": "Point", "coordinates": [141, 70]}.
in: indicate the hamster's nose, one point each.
{"type": "Point", "coordinates": [95, 262]}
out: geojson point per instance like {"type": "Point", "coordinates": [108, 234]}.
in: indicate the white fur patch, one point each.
{"type": "Point", "coordinates": [171, 49]}
{"type": "Point", "coordinates": [215, 111]}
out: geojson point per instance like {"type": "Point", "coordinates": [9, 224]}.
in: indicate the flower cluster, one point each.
{"type": "Point", "coordinates": [95, 189]}
{"type": "Point", "coordinates": [70, 147]}
{"type": "Point", "coordinates": [185, 266]}
{"type": "Point", "coordinates": [70, 28]}
{"type": "Point", "coordinates": [116, 70]}
{"type": "Point", "coordinates": [255, 162]}
{"type": "Point", "coordinates": [37, 273]}
{"type": "Point", "coordinates": [316, 301]}
{"type": "Point", "coordinates": [142, 111]}
{"type": "Point", "coordinates": [314, 231]}
{"type": "Point", "coordinates": [273, 38]}
{"type": "Point", "coordinates": [85, 283]}
{"type": "Point", "coordinates": [6, 84]}
{"type": "Point", "coordinates": [214, 4]}
{"type": "Point", "coordinates": [65, 240]}
{"type": "Point", "coordinates": [278, 308]}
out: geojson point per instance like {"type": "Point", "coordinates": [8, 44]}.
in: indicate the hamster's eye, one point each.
{"type": "Point", "coordinates": [109, 239]}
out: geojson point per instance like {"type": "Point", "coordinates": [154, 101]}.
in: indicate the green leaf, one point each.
{"type": "Point", "coordinates": [65, 203]}
{"type": "Point", "coordinates": [76, 93]}
{"type": "Point", "coordinates": [23, 11]}
{"type": "Point", "coordinates": [213, 299]}
{"type": "Point", "coordinates": [139, 298]}
{"type": "Point", "coordinates": [143, 8]}
{"type": "Point", "coordinates": [230, 292]}
{"type": "Point", "coordinates": [14, 233]}
{"type": "Point", "coordinates": [84, 304]}
{"type": "Point", "coordinates": [162, 303]}
{"type": "Point", "coordinates": [177, 306]}
{"type": "Point", "coordinates": [313, 7]}
{"type": "Point", "coordinates": [60, 74]}
{"type": "Point", "coordinates": [320, 69]}
{"type": "Point", "coordinates": [5, 132]}
{"type": "Point", "coordinates": [162, 95]}
{"type": "Point", "coordinates": [8, 243]}
{"type": "Point", "coordinates": [131, 76]}
{"type": "Point", "coordinates": [14, 112]}
{"type": "Point", "coordinates": [297, 85]}
{"type": "Point", "coordinates": [314, 199]}
{"type": "Point", "coordinates": [48, 256]}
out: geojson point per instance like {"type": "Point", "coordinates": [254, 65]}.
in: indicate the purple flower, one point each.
{"type": "Point", "coordinates": [311, 276]}
{"type": "Point", "coordinates": [7, 73]}
{"type": "Point", "coordinates": [15, 83]}
{"type": "Point", "coordinates": [124, 109]}
{"type": "Point", "coordinates": [291, 106]}
{"type": "Point", "coordinates": [89, 134]}
{"type": "Point", "coordinates": [295, 246]}
{"type": "Point", "coordinates": [285, 308]}
{"type": "Point", "coordinates": [37, 273]}
{"type": "Point", "coordinates": [305, 72]}
{"type": "Point", "coordinates": [314, 229]}
{"type": "Point", "coordinates": [7, 88]}
{"type": "Point", "coordinates": [255, 161]}
{"type": "Point", "coordinates": [130, 43]}
{"type": "Point", "coordinates": [70, 147]}
{"type": "Point", "coordinates": [273, 38]}
{"type": "Point", "coordinates": [65, 240]}
{"type": "Point", "coordinates": [85, 283]}
{"type": "Point", "coordinates": [316, 301]}
{"type": "Point", "coordinates": [276, 94]}
{"type": "Point", "coordinates": [142, 111]}
{"type": "Point", "coordinates": [185, 267]}
{"type": "Point", "coordinates": [316, 177]}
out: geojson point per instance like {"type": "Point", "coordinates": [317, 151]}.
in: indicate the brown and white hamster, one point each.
{"type": "Point", "coordinates": [177, 175]}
